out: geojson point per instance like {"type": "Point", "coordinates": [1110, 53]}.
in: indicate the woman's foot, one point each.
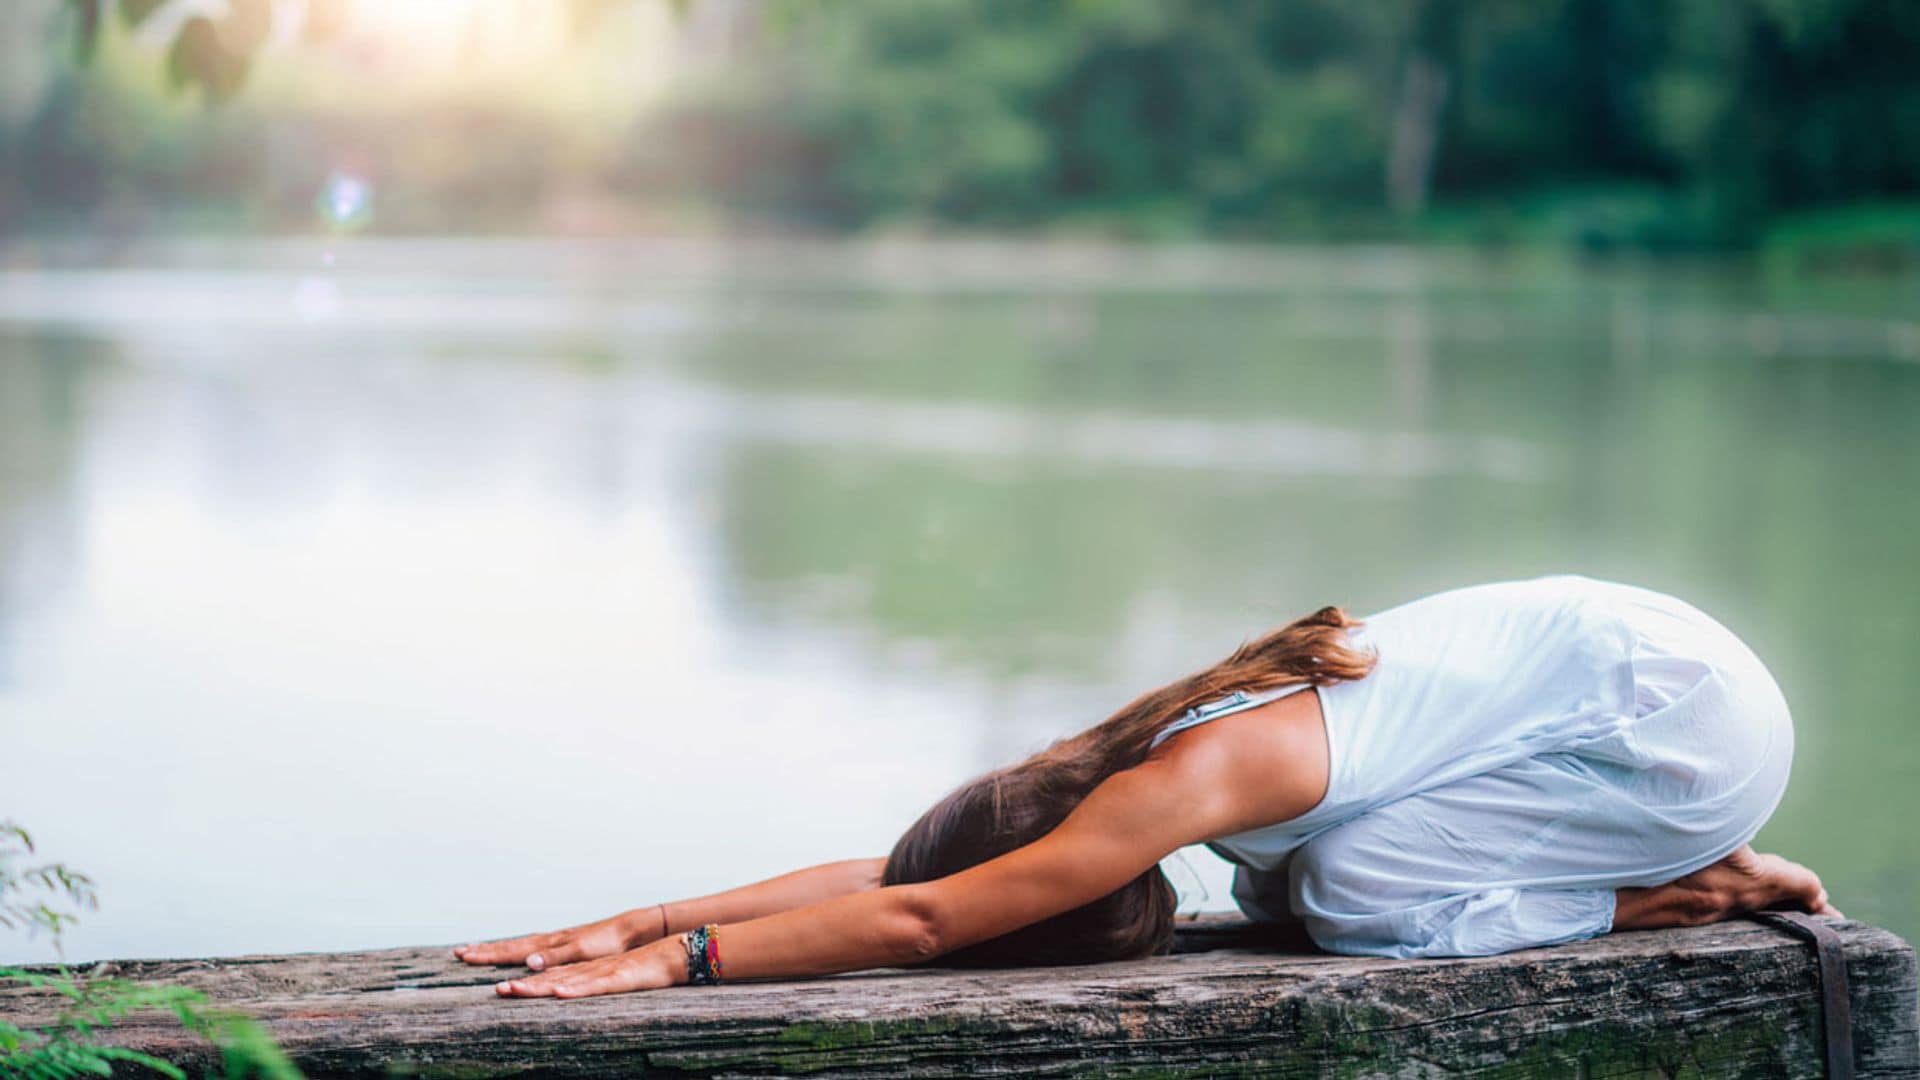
{"type": "Point", "coordinates": [1743, 881]}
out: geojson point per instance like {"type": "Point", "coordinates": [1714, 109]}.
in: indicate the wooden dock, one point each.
{"type": "Point", "coordinates": [1736, 999]}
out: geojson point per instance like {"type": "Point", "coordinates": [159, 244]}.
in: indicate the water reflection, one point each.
{"type": "Point", "coordinates": [518, 589]}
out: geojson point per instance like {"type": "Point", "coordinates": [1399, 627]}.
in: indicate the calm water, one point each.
{"type": "Point", "coordinates": [406, 592]}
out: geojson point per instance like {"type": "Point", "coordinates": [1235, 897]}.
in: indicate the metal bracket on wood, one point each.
{"type": "Point", "coordinates": [1836, 1005]}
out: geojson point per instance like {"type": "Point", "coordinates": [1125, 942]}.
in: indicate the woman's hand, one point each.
{"type": "Point", "coordinates": [650, 967]}
{"type": "Point", "coordinates": [607, 938]}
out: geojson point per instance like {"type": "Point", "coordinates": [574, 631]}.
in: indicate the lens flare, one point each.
{"type": "Point", "coordinates": [346, 201]}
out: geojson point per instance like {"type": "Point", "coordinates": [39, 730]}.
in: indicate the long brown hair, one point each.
{"type": "Point", "coordinates": [1016, 805]}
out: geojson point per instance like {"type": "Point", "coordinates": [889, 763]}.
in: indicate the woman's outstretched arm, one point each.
{"type": "Point", "coordinates": [631, 929]}
{"type": "Point", "coordinates": [1124, 827]}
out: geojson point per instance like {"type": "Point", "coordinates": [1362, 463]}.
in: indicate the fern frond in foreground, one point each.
{"type": "Point", "coordinates": [67, 1048]}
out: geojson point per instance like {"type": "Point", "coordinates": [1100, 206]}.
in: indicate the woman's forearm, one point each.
{"type": "Point", "coordinates": [639, 926]}
{"type": "Point", "coordinates": [769, 897]}
{"type": "Point", "coordinates": [868, 929]}
{"type": "Point", "coordinates": [882, 928]}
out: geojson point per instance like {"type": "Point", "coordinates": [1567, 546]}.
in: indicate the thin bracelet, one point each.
{"type": "Point", "coordinates": [663, 921]}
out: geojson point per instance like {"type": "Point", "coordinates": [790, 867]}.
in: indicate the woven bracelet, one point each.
{"type": "Point", "coordinates": [703, 955]}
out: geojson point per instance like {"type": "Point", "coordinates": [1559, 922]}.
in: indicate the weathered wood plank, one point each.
{"type": "Point", "coordinates": [1730, 1000]}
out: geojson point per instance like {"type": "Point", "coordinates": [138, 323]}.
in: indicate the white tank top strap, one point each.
{"type": "Point", "coordinates": [1238, 701]}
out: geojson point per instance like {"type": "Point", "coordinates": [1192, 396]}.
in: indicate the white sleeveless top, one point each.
{"type": "Point", "coordinates": [1470, 680]}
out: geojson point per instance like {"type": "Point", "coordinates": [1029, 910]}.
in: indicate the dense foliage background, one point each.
{"type": "Point", "coordinates": [1702, 124]}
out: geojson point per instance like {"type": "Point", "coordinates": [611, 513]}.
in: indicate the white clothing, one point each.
{"type": "Point", "coordinates": [1519, 751]}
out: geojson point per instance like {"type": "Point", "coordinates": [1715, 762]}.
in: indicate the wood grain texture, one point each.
{"type": "Point", "coordinates": [1736, 999]}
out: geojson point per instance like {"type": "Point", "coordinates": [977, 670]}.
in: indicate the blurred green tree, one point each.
{"type": "Point", "coordinates": [1600, 123]}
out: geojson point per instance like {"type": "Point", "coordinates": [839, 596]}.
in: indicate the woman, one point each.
{"type": "Point", "coordinates": [1491, 768]}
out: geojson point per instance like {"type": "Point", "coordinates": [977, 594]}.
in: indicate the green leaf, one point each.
{"type": "Point", "coordinates": [192, 38]}
{"type": "Point", "coordinates": [199, 56]}
{"type": "Point", "coordinates": [135, 12]}
{"type": "Point", "coordinates": [86, 37]}
{"type": "Point", "coordinates": [163, 1067]}
{"type": "Point", "coordinates": [8, 828]}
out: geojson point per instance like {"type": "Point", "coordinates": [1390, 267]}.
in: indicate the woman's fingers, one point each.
{"type": "Point", "coordinates": [531, 987]}
{"type": "Point", "coordinates": [615, 979]}
{"type": "Point", "coordinates": [510, 951]}
{"type": "Point", "coordinates": [565, 949]}
{"type": "Point", "coordinates": [607, 937]}
{"type": "Point", "coordinates": [542, 951]}
{"type": "Point", "coordinates": [607, 975]}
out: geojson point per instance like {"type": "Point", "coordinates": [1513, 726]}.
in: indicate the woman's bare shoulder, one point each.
{"type": "Point", "coordinates": [1265, 765]}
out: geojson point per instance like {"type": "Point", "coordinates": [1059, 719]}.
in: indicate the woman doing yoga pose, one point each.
{"type": "Point", "coordinates": [1491, 768]}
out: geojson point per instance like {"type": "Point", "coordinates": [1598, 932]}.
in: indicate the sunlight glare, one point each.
{"type": "Point", "coordinates": [530, 49]}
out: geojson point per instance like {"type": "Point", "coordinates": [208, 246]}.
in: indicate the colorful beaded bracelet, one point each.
{"type": "Point", "coordinates": [703, 955]}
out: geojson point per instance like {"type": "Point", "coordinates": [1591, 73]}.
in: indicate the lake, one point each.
{"type": "Point", "coordinates": [366, 592]}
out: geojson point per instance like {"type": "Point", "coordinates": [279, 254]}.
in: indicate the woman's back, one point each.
{"type": "Point", "coordinates": [1474, 679]}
